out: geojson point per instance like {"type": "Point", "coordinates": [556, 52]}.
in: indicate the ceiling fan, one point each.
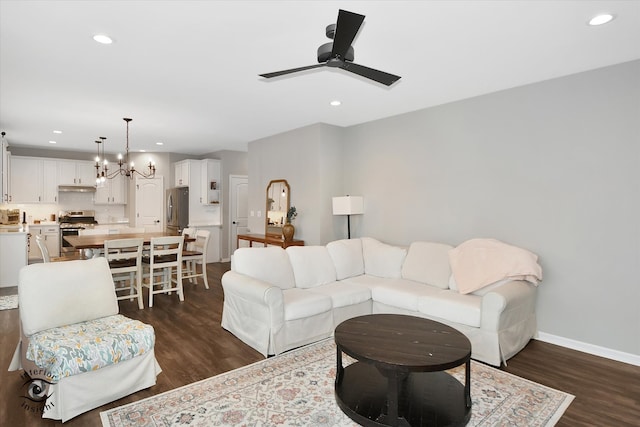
{"type": "Point", "coordinates": [339, 53]}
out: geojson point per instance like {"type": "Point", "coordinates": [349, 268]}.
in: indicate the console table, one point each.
{"type": "Point", "coordinates": [268, 240]}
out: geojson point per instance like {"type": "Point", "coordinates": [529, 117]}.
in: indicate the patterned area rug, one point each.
{"type": "Point", "coordinates": [296, 389]}
{"type": "Point", "coordinates": [8, 302]}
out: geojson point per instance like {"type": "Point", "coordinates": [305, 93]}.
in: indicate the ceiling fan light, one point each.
{"type": "Point", "coordinates": [601, 19]}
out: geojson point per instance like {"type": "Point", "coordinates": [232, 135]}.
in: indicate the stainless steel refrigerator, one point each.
{"type": "Point", "coordinates": [177, 209]}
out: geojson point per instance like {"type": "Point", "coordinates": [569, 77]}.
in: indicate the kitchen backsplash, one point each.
{"type": "Point", "coordinates": [70, 202]}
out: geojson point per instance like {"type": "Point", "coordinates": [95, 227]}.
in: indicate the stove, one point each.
{"type": "Point", "coordinates": [71, 222]}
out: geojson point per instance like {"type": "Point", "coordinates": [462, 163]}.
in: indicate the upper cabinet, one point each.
{"type": "Point", "coordinates": [181, 173]}
{"type": "Point", "coordinates": [113, 192]}
{"type": "Point", "coordinates": [76, 172]}
{"type": "Point", "coordinates": [4, 172]}
{"type": "Point", "coordinates": [33, 180]}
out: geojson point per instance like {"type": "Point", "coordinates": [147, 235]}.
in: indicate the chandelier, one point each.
{"type": "Point", "coordinates": [125, 167]}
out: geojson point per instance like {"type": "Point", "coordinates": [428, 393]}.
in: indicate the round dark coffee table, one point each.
{"type": "Point", "coordinates": [398, 378]}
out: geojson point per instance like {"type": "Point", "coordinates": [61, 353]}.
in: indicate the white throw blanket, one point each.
{"type": "Point", "coordinates": [480, 262]}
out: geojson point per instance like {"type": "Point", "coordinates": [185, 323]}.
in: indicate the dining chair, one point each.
{"type": "Point", "coordinates": [165, 257]}
{"type": "Point", "coordinates": [196, 253]}
{"type": "Point", "coordinates": [43, 249]}
{"type": "Point", "coordinates": [125, 262]}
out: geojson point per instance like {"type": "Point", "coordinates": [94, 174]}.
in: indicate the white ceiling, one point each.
{"type": "Point", "coordinates": [187, 71]}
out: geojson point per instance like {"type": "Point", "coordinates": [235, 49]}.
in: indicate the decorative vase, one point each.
{"type": "Point", "coordinates": [287, 231]}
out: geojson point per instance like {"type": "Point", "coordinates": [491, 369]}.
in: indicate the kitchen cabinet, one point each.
{"type": "Point", "coordinates": [33, 180]}
{"type": "Point", "coordinates": [4, 172]}
{"type": "Point", "coordinates": [76, 172]}
{"type": "Point", "coordinates": [13, 250]}
{"type": "Point", "coordinates": [112, 192]}
{"type": "Point", "coordinates": [181, 172]}
{"type": "Point", "coordinates": [50, 234]}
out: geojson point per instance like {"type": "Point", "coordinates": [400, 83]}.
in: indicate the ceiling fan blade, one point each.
{"type": "Point", "coordinates": [370, 73]}
{"type": "Point", "coordinates": [292, 70]}
{"type": "Point", "coordinates": [346, 29]}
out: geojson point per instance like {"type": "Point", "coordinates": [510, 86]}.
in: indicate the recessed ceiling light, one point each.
{"type": "Point", "coordinates": [335, 103]}
{"type": "Point", "coordinates": [159, 143]}
{"type": "Point", "coordinates": [603, 18]}
{"type": "Point", "coordinates": [57, 131]}
{"type": "Point", "coordinates": [104, 39]}
{"type": "Point", "coordinates": [52, 142]}
{"type": "Point", "coordinates": [143, 151]}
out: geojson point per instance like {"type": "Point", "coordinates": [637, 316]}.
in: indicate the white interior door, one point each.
{"type": "Point", "coordinates": [238, 208]}
{"type": "Point", "coordinates": [150, 203]}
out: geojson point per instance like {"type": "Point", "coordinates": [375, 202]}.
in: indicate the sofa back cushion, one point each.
{"type": "Point", "coordinates": [347, 257]}
{"type": "Point", "coordinates": [270, 264]}
{"type": "Point", "coordinates": [382, 260]}
{"type": "Point", "coordinates": [56, 294]}
{"type": "Point", "coordinates": [428, 262]}
{"type": "Point", "coordinates": [312, 266]}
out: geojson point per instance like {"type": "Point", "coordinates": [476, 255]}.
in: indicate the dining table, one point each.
{"type": "Point", "coordinates": [96, 241]}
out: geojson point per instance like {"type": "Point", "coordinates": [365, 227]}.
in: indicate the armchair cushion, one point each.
{"type": "Point", "coordinates": [88, 346]}
{"type": "Point", "coordinates": [63, 293]}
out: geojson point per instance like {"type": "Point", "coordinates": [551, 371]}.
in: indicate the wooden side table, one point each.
{"type": "Point", "coordinates": [268, 240]}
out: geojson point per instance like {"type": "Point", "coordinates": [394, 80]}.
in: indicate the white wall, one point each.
{"type": "Point", "coordinates": [553, 167]}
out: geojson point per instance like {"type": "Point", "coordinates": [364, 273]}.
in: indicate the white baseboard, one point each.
{"type": "Point", "coordinates": [225, 260]}
{"type": "Point", "coordinates": [620, 356]}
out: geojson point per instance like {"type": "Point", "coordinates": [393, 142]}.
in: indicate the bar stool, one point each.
{"type": "Point", "coordinates": [125, 261]}
{"type": "Point", "coordinates": [165, 255]}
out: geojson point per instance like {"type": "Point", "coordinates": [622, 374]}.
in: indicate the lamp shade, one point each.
{"type": "Point", "coordinates": [348, 205]}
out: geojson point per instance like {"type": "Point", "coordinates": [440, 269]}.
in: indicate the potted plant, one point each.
{"type": "Point", "coordinates": [288, 229]}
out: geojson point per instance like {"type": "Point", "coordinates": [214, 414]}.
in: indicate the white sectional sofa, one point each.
{"type": "Point", "coordinates": [276, 299]}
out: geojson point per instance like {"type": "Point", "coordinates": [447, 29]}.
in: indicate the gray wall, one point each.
{"type": "Point", "coordinates": [553, 167]}
{"type": "Point", "coordinates": [310, 160]}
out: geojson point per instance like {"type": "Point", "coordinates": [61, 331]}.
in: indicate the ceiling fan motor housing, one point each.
{"type": "Point", "coordinates": [324, 53]}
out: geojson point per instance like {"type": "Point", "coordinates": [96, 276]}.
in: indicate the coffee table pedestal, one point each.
{"type": "Point", "coordinates": [424, 398]}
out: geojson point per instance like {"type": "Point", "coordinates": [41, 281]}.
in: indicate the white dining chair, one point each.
{"type": "Point", "coordinates": [164, 262]}
{"type": "Point", "coordinates": [196, 253]}
{"type": "Point", "coordinates": [125, 261]}
{"type": "Point", "coordinates": [43, 249]}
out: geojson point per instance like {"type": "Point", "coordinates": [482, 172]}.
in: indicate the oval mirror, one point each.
{"type": "Point", "coordinates": [278, 197]}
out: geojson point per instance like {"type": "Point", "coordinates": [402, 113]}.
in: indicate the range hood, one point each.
{"type": "Point", "coordinates": [76, 188]}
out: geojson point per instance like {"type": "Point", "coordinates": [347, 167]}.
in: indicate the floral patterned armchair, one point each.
{"type": "Point", "coordinates": [82, 353]}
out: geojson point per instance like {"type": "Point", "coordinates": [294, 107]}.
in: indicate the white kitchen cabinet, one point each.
{"type": "Point", "coordinates": [26, 180]}
{"type": "Point", "coordinates": [50, 235]}
{"type": "Point", "coordinates": [33, 180]}
{"type": "Point", "coordinates": [181, 172]}
{"type": "Point", "coordinates": [13, 256]}
{"type": "Point", "coordinates": [4, 172]}
{"type": "Point", "coordinates": [113, 192]}
{"type": "Point", "coordinates": [76, 172]}
{"type": "Point", "coordinates": [210, 181]}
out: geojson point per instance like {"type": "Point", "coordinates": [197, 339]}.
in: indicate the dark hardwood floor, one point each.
{"type": "Point", "coordinates": [191, 345]}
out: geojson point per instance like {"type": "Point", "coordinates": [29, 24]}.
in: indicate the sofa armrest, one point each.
{"type": "Point", "coordinates": [507, 305]}
{"type": "Point", "coordinates": [254, 297]}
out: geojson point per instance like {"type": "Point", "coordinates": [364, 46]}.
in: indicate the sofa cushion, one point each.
{"type": "Point", "coordinates": [300, 303]}
{"type": "Point", "coordinates": [452, 306]}
{"type": "Point", "coordinates": [382, 260]}
{"type": "Point", "coordinates": [45, 294]}
{"type": "Point", "coordinates": [270, 264]}
{"type": "Point", "coordinates": [428, 262]}
{"type": "Point", "coordinates": [344, 294]}
{"type": "Point", "coordinates": [347, 257]}
{"type": "Point", "coordinates": [312, 265]}
{"type": "Point", "coordinates": [401, 293]}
